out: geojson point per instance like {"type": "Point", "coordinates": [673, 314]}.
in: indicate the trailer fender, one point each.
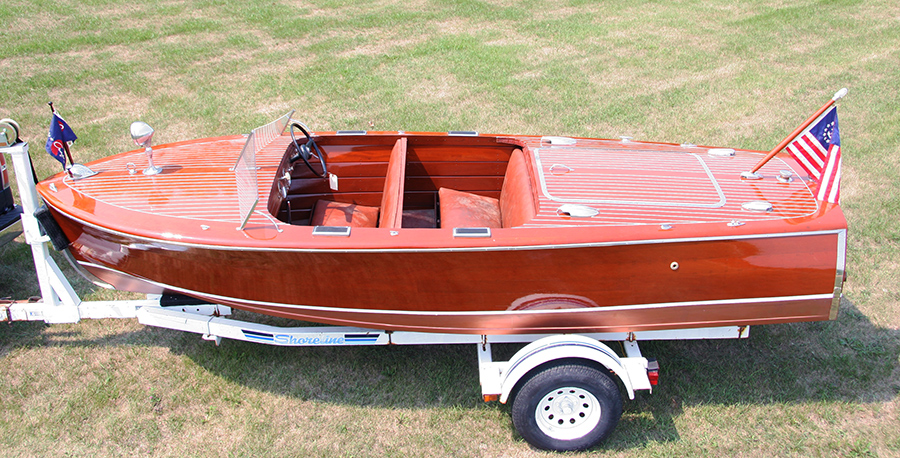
{"type": "Point", "coordinates": [560, 347]}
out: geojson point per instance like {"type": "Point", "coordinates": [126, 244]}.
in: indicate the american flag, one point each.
{"type": "Point", "coordinates": [818, 151]}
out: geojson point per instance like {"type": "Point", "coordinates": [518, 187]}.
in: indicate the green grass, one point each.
{"type": "Point", "coordinates": [712, 72]}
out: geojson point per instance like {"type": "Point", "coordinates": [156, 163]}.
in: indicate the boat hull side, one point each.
{"type": "Point", "coordinates": [610, 287]}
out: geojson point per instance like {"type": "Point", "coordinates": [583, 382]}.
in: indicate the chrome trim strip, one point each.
{"type": "Point", "coordinates": [76, 265]}
{"type": "Point", "coordinates": [462, 249]}
{"type": "Point", "coordinates": [611, 308]}
{"type": "Point", "coordinates": [839, 274]}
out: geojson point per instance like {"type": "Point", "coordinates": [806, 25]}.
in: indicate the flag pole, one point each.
{"type": "Point", "coordinates": [64, 143]}
{"type": "Point", "coordinates": [837, 96]}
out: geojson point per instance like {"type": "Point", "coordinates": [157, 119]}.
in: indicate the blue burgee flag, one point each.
{"type": "Point", "coordinates": [59, 132]}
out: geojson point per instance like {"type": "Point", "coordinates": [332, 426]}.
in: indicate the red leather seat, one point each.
{"type": "Point", "coordinates": [464, 209]}
{"type": "Point", "coordinates": [515, 206]}
{"type": "Point", "coordinates": [328, 213]}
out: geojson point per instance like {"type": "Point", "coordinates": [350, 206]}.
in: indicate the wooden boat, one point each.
{"type": "Point", "coordinates": [460, 232]}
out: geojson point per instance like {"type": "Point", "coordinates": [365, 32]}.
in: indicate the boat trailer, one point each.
{"type": "Point", "coordinates": [565, 389]}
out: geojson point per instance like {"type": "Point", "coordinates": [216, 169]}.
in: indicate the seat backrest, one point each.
{"type": "Point", "coordinates": [517, 195]}
{"type": "Point", "coordinates": [392, 199]}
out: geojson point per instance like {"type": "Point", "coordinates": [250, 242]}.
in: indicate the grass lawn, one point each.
{"type": "Point", "coordinates": [716, 72]}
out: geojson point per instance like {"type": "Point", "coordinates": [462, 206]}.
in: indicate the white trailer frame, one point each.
{"type": "Point", "coordinates": [61, 304]}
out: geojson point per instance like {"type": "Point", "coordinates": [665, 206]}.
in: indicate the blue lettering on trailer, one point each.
{"type": "Point", "coordinates": [287, 339]}
{"type": "Point", "coordinates": [307, 339]}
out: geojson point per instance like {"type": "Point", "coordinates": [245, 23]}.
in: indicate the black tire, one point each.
{"type": "Point", "coordinates": [567, 407]}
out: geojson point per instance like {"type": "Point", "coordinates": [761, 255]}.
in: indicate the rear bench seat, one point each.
{"type": "Point", "coordinates": [328, 213]}
{"type": "Point", "coordinates": [514, 208]}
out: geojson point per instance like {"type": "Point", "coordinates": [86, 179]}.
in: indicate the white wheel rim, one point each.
{"type": "Point", "coordinates": [567, 413]}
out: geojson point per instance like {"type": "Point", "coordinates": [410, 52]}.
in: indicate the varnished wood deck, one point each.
{"type": "Point", "coordinates": [197, 181]}
{"type": "Point", "coordinates": [628, 183]}
{"type": "Point", "coordinates": [639, 183]}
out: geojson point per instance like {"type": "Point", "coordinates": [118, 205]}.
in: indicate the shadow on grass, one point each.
{"type": "Point", "coordinates": [847, 360]}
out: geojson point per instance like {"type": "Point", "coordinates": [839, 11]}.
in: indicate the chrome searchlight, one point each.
{"type": "Point", "coordinates": [142, 134]}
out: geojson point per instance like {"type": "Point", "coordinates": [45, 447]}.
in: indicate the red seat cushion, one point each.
{"type": "Point", "coordinates": [514, 208]}
{"type": "Point", "coordinates": [327, 213]}
{"type": "Point", "coordinates": [463, 209]}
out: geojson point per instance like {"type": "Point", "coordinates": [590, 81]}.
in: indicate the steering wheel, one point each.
{"type": "Point", "coordinates": [305, 152]}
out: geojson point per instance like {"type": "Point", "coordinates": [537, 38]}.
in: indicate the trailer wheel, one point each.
{"type": "Point", "coordinates": [567, 407]}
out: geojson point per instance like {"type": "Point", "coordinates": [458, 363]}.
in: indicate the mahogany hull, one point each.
{"type": "Point", "coordinates": [670, 243]}
{"type": "Point", "coordinates": [599, 287]}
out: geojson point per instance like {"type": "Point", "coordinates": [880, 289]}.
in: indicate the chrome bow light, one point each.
{"type": "Point", "coordinates": [142, 134]}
